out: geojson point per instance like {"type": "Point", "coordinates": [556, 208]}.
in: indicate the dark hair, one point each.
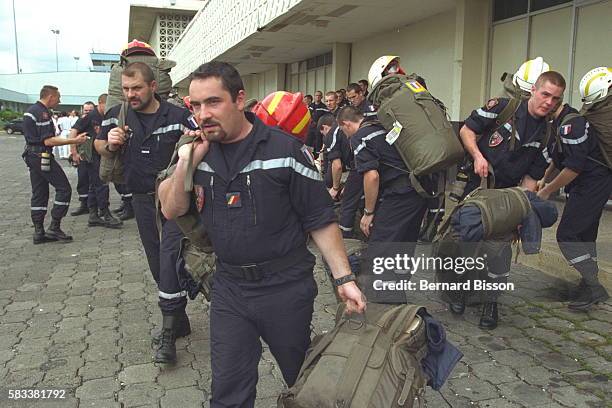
{"type": "Point", "coordinates": [139, 67]}
{"type": "Point", "coordinates": [48, 90]}
{"type": "Point", "coordinates": [364, 82]}
{"type": "Point", "coordinates": [230, 78]}
{"type": "Point", "coordinates": [354, 87]}
{"type": "Point", "coordinates": [102, 98]}
{"type": "Point", "coordinates": [250, 104]}
{"type": "Point", "coordinates": [350, 114]}
{"type": "Point", "coordinates": [89, 103]}
{"type": "Point", "coordinates": [327, 120]}
{"type": "Point", "coordinates": [553, 77]}
{"type": "Point", "coordinates": [308, 96]}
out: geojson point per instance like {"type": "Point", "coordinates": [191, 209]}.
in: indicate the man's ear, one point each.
{"type": "Point", "coordinates": [154, 85]}
{"type": "Point", "coordinates": [533, 89]}
{"type": "Point", "coordinates": [241, 99]}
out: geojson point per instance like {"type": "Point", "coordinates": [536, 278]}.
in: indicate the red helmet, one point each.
{"type": "Point", "coordinates": [187, 103]}
{"type": "Point", "coordinates": [137, 47]}
{"type": "Point", "coordinates": [285, 110]}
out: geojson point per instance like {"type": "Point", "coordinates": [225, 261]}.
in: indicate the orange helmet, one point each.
{"type": "Point", "coordinates": [285, 110]}
{"type": "Point", "coordinates": [137, 47]}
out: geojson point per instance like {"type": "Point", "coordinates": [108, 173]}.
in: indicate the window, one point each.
{"type": "Point", "coordinates": [503, 9]}
{"type": "Point", "coordinates": [536, 5]}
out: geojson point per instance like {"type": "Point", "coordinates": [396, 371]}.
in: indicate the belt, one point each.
{"type": "Point", "coordinates": [37, 149]}
{"type": "Point", "coordinates": [256, 271]}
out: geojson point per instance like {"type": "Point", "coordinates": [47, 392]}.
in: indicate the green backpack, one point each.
{"type": "Point", "coordinates": [111, 168]}
{"type": "Point", "coordinates": [418, 127]}
{"type": "Point", "coordinates": [366, 361]}
{"type": "Point", "coordinates": [196, 248]}
{"type": "Point", "coordinates": [599, 115]}
{"type": "Point", "coordinates": [161, 69]}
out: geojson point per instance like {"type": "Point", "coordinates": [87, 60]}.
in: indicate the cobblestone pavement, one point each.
{"type": "Point", "coordinates": [77, 317]}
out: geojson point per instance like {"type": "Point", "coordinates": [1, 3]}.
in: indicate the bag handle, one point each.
{"type": "Point", "coordinates": [488, 182]}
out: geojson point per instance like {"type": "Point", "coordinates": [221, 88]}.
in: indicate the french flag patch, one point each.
{"type": "Point", "coordinates": [565, 130]}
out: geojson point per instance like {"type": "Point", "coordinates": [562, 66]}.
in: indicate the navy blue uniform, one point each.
{"type": "Point", "coordinates": [577, 149]}
{"type": "Point", "coordinates": [89, 171]}
{"type": "Point", "coordinates": [38, 126]}
{"type": "Point", "coordinates": [529, 158]}
{"type": "Point", "coordinates": [369, 111]}
{"type": "Point", "coordinates": [400, 209]}
{"type": "Point", "coordinates": [262, 196]}
{"type": "Point", "coordinates": [150, 146]}
{"type": "Point", "coordinates": [314, 138]}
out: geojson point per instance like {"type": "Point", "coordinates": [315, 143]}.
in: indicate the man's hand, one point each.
{"type": "Point", "coordinates": [540, 184]}
{"type": "Point", "coordinates": [352, 296]}
{"type": "Point", "coordinates": [366, 223]}
{"type": "Point", "coordinates": [481, 166]}
{"type": "Point", "coordinates": [200, 147]}
{"type": "Point", "coordinates": [80, 138]}
{"type": "Point", "coordinates": [117, 136]}
{"type": "Point", "coordinates": [333, 193]}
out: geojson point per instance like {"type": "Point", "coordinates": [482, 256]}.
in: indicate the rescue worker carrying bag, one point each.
{"type": "Point", "coordinates": [417, 125]}
{"type": "Point", "coordinates": [366, 361]}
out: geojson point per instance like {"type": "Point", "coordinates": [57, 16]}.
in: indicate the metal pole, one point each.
{"type": "Point", "coordinates": [16, 45]}
{"type": "Point", "coordinates": [56, 32]}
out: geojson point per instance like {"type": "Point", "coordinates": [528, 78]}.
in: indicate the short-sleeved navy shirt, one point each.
{"type": "Point", "coordinates": [38, 125]}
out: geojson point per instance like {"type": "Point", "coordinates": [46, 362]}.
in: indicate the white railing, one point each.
{"type": "Point", "coordinates": [219, 26]}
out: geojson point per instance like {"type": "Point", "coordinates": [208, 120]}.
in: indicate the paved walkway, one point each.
{"type": "Point", "coordinates": [77, 317]}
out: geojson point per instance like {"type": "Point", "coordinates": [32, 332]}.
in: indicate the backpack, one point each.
{"type": "Point", "coordinates": [599, 115]}
{"type": "Point", "coordinates": [418, 127]}
{"type": "Point", "coordinates": [111, 168]}
{"type": "Point", "coordinates": [161, 69]}
{"type": "Point", "coordinates": [367, 361]}
{"type": "Point", "coordinates": [196, 249]}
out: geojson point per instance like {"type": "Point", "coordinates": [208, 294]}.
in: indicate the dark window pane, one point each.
{"type": "Point", "coordinates": [542, 4]}
{"type": "Point", "coordinates": [503, 9]}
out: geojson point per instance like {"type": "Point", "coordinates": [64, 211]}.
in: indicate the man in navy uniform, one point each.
{"type": "Point", "coordinates": [260, 198]}
{"type": "Point", "coordinates": [153, 127]}
{"type": "Point", "coordinates": [39, 134]}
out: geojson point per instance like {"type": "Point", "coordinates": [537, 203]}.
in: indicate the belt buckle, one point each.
{"type": "Point", "coordinates": [251, 272]}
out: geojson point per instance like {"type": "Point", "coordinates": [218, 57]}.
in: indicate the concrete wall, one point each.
{"type": "Point", "coordinates": [426, 47]}
{"type": "Point", "coordinates": [259, 85]}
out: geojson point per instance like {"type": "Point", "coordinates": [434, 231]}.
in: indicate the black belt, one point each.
{"type": "Point", "coordinates": [256, 271]}
{"type": "Point", "coordinates": [37, 149]}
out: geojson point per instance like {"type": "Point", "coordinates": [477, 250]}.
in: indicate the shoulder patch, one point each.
{"type": "Point", "coordinates": [565, 130]}
{"type": "Point", "coordinates": [308, 154]}
{"type": "Point", "coordinates": [495, 139]}
{"type": "Point", "coordinates": [491, 103]}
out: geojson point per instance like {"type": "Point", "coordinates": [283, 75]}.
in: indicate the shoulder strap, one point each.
{"type": "Point", "coordinates": [564, 122]}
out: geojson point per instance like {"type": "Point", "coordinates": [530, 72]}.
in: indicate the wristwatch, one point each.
{"type": "Point", "coordinates": [368, 212]}
{"type": "Point", "coordinates": [346, 278]}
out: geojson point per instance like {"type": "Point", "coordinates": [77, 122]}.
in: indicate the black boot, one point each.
{"type": "Point", "coordinates": [39, 234]}
{"type": "Point", "coordinates": [81, 210]}
{"type": "Point", "coordinates": [128, 212]}
{"type": "Point", "coordinates": [590, 295]}
{"type": "Point", "coordinates": [457, 302]}
{"type": "Point", "coordinates": [182, 328]}
{"type": "Point", "coordinates": [95, 220]}
{"type": "Point", "coordinates": [56, 232]}
{"type": "Point", "coordinates": [119, 209]}
{"type": "Point", "coordinates": [572, 291]}
{"type": "Point", "coordinates": [489, 317]}
{"type": "Point", "coordinates": [166, 353]}
{"type": "Point", "coordinates": [109, 220]}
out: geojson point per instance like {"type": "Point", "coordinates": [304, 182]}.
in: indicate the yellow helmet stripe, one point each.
{"type": "Point", "coordinates": [526, 73]}
{"type": "Point", "coordinates": [302, 124]}
{"type": "Point", "coordinates": [590, 81]}
{"type": "Point", "coordinates": [275, 101]}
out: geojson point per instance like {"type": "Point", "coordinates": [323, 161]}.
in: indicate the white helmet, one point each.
{"type": "Point", "coordinates": [528, 73]}
{"type": "Point", "coordinates": [378, 68]}
{"type": "Point", "coordinates": [595, 84]}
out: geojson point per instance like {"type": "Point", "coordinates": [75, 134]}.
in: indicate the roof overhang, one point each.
{"type": "Point", "coordinates": [312, 27]}
{"type": "Point", "coordinates": [142, 17]}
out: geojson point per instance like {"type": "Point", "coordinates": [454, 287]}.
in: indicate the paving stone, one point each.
{"type": "Point", "coordinates": [494, 373]}
{"type": "Point", "coordinates": [558, 362]}
{"type": "Point", "coordinates": [177, 377]}
{"type": "Point", "coordinates": [473, 389]}
{"type": "Point", "coordinates": [554, 323]}
{"type": "Point", "coordinates": [133, 395]}
{"type": "Point", "coordinates": [586, 337]}
{"type": "Point", "coordinates": [540, 376]}
{"type": "Point", "coordinates": [599, 364]}
{"type": "Point", "coordinates": [143, 373]}
{"type": "Point", "coordinates": [99, 369]}
{"type": "Point", "coordinates": [543, 334]}
{"type": "Point", "coordinates": [102, 388]}
{"type": "Point", "coordinates": [17, 306]}
{"type": "Point", "coordinates": [575, 398]}
{"type": "Point", "coordinates": [497, 403]}
{"type": "Point", "coordinates": [512, 358]}
{"type": "Point", "coordinates": [524, 394]}
{"type": "Point", "coordinates": [183, 397]}
{"type": "Point", "coordinates": [101, 403]}
{"type": "Point", "coordinates": [574, 350]}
